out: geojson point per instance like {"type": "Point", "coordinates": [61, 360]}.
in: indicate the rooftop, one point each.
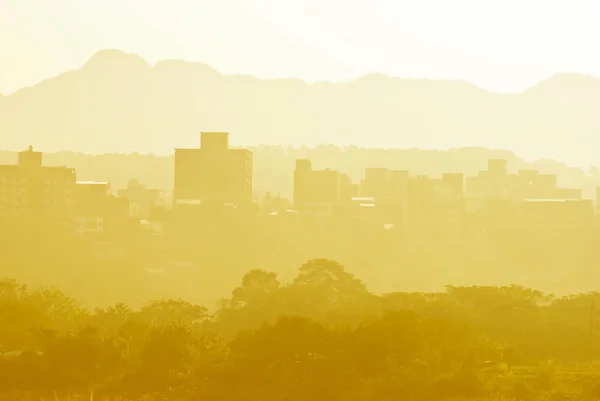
{"type": "Point", "coordinates": [554, 200]}
{"type": "Point", "coordinates": [92, 183]}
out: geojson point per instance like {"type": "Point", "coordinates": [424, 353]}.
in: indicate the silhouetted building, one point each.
{"type": "Point", "coordinates": [495, 183]}
{"type": "Point", "coordinates": [29, 189]}
{"type": "Point", "coordinates": [214, 172]}
{"type": "Point", "coordinates": [541, 219]}
{"type": "Point", "coordinates": [435, 207]}
{"type": "Point", "coordinates": [315, 187]}
{"type": "Point", "coordinates": [91, 202]}
{"type": "Point", "coordinates": [566, 215]}
{"type": "Point", "coordinates": [348, 190]}
{"type": "Point", "coordinates": [362, 209]}
{"type": "Point", "coordinates": [389, 189]}
{"type": "Point", "coordinates": [273, 205]}
{"type": "Point", "coordinates": [97, 210]}
{"type": "Point", "coordinates": [455, 182]}
{"type": "Point", "coordinates": [375, 184]}
{"type": "Point", "coordinates": [141, 199]}
{"type": "Point", "coordinates": [317, 193]}
{"type": "Point", "coordinates": [398, 180]}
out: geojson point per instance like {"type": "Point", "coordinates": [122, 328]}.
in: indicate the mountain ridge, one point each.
{"type": "Point", "coordinates": [118, 102]}
{"type": "Point", "coordinates": [104, 54]}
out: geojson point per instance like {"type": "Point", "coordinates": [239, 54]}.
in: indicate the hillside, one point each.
{"type": "Point", "coordinates": [118, 102]}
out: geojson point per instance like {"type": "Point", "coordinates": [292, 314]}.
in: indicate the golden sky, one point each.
{"type": "Point", "coordinates": [504, 45]}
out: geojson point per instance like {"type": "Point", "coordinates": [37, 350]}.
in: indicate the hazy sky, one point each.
{"type": "Point", "coordinates": [503, 45]}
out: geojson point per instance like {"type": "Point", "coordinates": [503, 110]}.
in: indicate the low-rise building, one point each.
{"type": "Point", "coordinates": [141, 199]}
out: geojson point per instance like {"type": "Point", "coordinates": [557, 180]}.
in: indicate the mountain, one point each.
{"type": "Point", "coordinates": [118, 102]}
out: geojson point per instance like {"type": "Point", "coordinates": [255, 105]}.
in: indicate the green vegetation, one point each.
{"type": "Point", "coordinates": [321, 336]}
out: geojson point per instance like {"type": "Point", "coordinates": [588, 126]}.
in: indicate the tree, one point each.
{"type": "Point", "coordinates": [10, 290]}
{"type": "Point", "coordinates": [256, 286]}
{"type": "Point", "coordinates": [78, 362]}
{"type": "Point", "coordinates": [168, 357]}
{"type": "Point", "coordinates": [259, 299]}
{"type": "Point", "coordinates": [295, 358]}
{"type": "Point", "coordinates": [64, 312]}
{"type": "Point", "coordinates": [173, 310]}
{"type": "Point", "coordinates": [323, 287]}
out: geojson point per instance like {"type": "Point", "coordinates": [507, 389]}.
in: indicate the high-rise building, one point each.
{"type": "Point", "coordinates": [29, 189]}
{"type": "Point", "coordinates": [214, 172]}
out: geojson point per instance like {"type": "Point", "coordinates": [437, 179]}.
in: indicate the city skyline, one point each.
{"type": "Point", "coordinates": [216, 173]}
{"type": "Point", "coordinates": [407, 207]}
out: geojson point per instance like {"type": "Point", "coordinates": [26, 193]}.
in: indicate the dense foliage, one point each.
{"type": "Point", "coordinates": [321, 336]}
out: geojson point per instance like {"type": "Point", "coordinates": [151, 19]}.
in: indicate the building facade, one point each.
{"type": "Point", "coordinates": [213, 173]}
{"type": "Point", "coordinates": [315, 187]}
{"type": "Point", "coordinates": [496, 183]}
{"type": "Point", "coordinates": [141, 199]}
{"type": "Point", "coordinates": [31, 190]}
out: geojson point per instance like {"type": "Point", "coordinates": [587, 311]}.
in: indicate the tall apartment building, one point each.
{"type": "Point", "coordinates": [214, 172]}
{"type": "Point", "coordinates": [31, 190]}
{"type": "Point", "coordinates": [315, 187]}
{"type": "Point", "coordinates": [318, 194]}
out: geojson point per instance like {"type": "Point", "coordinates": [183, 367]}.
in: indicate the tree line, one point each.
{"type": "Point", "coordinates": [323, 335]}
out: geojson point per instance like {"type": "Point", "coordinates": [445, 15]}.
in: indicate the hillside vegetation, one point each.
{"type": "Point", "coordinates": [322, 335]}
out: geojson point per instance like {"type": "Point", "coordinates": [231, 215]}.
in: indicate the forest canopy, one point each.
{"type": "Point", "coordinates": [322, 335]}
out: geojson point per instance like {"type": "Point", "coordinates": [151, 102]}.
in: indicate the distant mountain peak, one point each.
{"type": "Point", "coordinates": [564, 80]}
{"type": "Point", "coordinates": [126, 104]}
{"type": "Point", "coordinates": [176, 65]}
{"type": "Point", "coordinates": [115, 58]}
{"type": "Point", "coordinates": [571, 76]}
{"type": "Point", "coordinates": [374, 76]}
